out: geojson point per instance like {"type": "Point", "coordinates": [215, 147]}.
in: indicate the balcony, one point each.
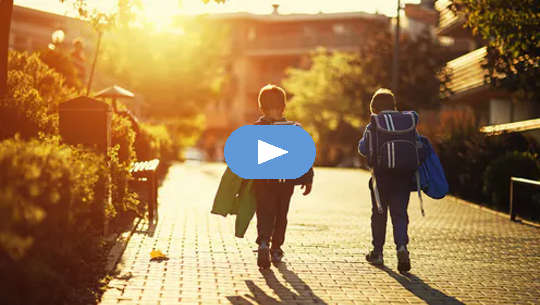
{"type": "Point", "coordinates": [450, 23]}
{"type": "Point", "coordinates": [466, 72]}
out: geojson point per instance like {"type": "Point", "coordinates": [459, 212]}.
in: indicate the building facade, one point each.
{"type": "Point", "coordinates": [493, 108]}
{"type": "Point", "coordinates": [263, 47]}
{"type": "Point", "coordinates": [32, 30]}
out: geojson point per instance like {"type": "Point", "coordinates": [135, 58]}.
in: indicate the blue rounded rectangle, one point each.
{"type": "Point", "coordinates": [270, 151]}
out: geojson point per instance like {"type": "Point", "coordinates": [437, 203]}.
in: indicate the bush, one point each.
{"type": "Point", "coordinates": [51, 213]}
{"type": "Point", "coordinates": [34, 92]}
{"type": "Point", "coordinates": [465, 153]}
{"type": "Point", "coordinates": [158, 143]}
{"type": "Point", "coordinates": [122, 156]}
{"type": "Point", "coordinates": [498, 173]}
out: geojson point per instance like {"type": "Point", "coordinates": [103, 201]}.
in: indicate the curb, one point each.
{"type": "Point", "coordinates": [120, 244]}
{"type": "Point", "coordinates": [484, 208]}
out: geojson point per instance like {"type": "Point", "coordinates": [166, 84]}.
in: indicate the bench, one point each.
{"type": "Point", "coordinates": [144, 175]}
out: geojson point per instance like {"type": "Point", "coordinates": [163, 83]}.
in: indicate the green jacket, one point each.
{"type": "Point", "coordinates": [235, 196]}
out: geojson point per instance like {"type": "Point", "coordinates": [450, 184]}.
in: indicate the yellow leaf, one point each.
{"type": "Point", "coordinates": [157, 255]}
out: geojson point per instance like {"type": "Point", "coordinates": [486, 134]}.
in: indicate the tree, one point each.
{"type": "Point", "coordinates": [510, 28]}
{"type": "Point", "coordinates": [330, 96]}
{"type": "Point", "coordinates": [6, 8]}
{"type": "Point", "coordinates": [331, 99]}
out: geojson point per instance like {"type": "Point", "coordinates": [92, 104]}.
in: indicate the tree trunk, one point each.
{"type": "Point", "coordinates": [6, 8]}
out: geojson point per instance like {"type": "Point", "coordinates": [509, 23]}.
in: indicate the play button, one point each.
{"type": "Point", "coordinates": [267, 152]}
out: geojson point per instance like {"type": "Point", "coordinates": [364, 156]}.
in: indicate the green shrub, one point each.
{"type": "Point", "coordinates": [122, 156]}
{"type": "Point", "coordinates": [498, 173]}
{"type": "Point", "coordinates": [158, 143]}
{"type": "Point", "coordinates": [34, 92]}
{"type": "Point", "coordinates": [465, 153]}
{"type": "Point", "coordinates": [50, 215]}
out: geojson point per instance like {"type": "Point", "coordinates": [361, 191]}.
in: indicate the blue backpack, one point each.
{"type": "Point", "coordinates": [393, 147]}
{"type": "Point", "coordinates": [392, 142]}
{"type": "Point", "coordinates": [432, 178]}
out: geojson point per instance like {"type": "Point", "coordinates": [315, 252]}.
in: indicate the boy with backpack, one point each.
{"type": "Point", "coordinates": [390, 145]}
{"type": "Point", "coordinates": [273, 196]}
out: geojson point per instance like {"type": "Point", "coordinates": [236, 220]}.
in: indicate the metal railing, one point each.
{"type": "Point", "coordinates": [513, 207]}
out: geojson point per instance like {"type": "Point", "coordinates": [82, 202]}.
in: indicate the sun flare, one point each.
{"type": "Point", "coordinates": [160, 13]}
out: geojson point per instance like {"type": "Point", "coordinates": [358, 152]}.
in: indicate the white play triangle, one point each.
{"type": "Point", "coordinates": [267, 152]}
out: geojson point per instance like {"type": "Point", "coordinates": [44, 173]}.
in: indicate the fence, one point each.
{"type": "Point", "coordinates": [513, 206]}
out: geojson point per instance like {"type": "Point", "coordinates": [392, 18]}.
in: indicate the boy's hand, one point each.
{"type": "Point", "coordinates": [307, 188]}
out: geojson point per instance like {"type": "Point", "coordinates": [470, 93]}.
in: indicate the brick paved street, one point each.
{"type": "Point", "coordinates": [460, 254]}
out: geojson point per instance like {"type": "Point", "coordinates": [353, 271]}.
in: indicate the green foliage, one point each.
{"type": "Point", "coordinates": [123, 136]}
{"type": "Point", "coordinates": [330, 95]}
{"type": "Point", "coordinates": [157, 143]}
{"type": "Point", "coordinates": [121, 157]}
{"type": "Point", "coordinates": [467, 157]}
{"type": "Point", "coordinates": [50, 215]}
{"type": "Point", "coordinates": [511, 31]}
{"type": "Point", "coordinates": [177, 72]}
{"type": "Point", "coordinates": [331, 92]}
{"type": "Point", "coordinates": [60, 60]}
{"type": "Point", "coordinates": [34, 92]}
{"type": "Point", "coordinates": [498, 173]}
{"type": "Point", "coordinates": [331, 99]}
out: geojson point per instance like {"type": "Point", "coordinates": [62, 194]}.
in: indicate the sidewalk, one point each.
{"type": "Point", "coordinates": [459, 254]}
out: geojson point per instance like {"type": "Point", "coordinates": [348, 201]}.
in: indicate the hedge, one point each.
{"type": "Point", "coordinates": [50, 246]}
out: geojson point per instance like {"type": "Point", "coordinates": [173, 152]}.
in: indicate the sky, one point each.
{"type": "Point", "coordinates": [161, 12]}
{"type": "Point", "coordinates": [156, 9]}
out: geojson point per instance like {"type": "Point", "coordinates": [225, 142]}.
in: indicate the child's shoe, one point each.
{"type": "Point", "coordinates": [375, 258]}
{"type": "Point", "coordinates": [263, 256]}
{"type": "Point", "coordinates": [404, 262]}
{"type": "Point", "coordinates": [276, 255]}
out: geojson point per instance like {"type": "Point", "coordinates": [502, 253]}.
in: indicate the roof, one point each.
{"type": "Point", "coordinates": [299, 17]}
{"type": "Point", "coordinates": [83, 103]}
{"type": "Point", "coordinates": [115, 92]}
{"type": "Point", "coordinates": [520, 126]}
{"type": "Point", "coordinates": [421, 13]}
{"type": "Point", "coordinates": [34, 15]}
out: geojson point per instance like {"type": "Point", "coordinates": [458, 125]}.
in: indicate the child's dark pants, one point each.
{"type": "Point", "coordinates": [273, 200]}
{"type": "Point", "coordinates": [394, 195]}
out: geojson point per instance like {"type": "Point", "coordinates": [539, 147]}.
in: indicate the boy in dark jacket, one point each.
{"type": "Point", "coordinates": [394, 190]}
{"type": "Point", "coordinates": [273, 196]}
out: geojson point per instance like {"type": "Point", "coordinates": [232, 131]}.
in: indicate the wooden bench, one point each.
{"type": "Point", "coordinates": [145, 178]}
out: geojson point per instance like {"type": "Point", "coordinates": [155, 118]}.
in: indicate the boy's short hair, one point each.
{"type": "Point", "coordinates": [272, 96]}
{"type": "Point", "coordinates": [383, 99]}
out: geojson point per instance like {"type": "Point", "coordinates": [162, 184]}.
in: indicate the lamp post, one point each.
{"type": "Point", "coordinates": [395, 59]}
{"type": "Point", "coordinates": [57, 38]}
{"type": "Point", "coordinates": [91, 78]}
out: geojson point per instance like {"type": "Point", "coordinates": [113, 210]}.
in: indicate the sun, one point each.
{"type": "Point", "coordinates": [160, 13]}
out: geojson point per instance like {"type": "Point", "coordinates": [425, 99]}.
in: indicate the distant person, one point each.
{"type": "Point", "coordinates": [390, 145]}
{"type": "Point", "coordinates": [79, 59]}
{"type": "Point", "coordinates": [273, 196]}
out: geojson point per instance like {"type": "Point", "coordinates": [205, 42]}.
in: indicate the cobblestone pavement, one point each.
{"type": "Point", "coordinates": [460, 254]}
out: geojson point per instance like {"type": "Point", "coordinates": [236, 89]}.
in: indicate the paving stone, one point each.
{"type": "Point", "coordinates": [460, 254]}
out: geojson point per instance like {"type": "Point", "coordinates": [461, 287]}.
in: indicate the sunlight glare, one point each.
{"type": "Point", "coordinates": [160, 13]}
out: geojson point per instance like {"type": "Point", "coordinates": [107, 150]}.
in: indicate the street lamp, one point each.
{"type": "Point", "coordinates": [58, 36]}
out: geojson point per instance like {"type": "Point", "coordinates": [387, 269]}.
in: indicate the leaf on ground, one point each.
{"type": "Point", "coordinates": [157, 255]}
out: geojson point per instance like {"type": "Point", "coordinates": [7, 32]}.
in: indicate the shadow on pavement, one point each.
{"type": "Point", "coordinates": [302, 292]}
{"type": "Point", "coordinates": [150, 230]}
{"type": "Point", "coordinates": [422, 290]}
